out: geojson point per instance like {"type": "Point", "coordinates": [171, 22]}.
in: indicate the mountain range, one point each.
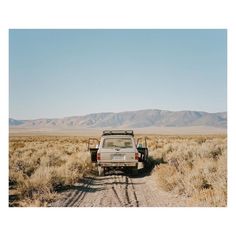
{"type": "Point", "coordinates": [129, 119]}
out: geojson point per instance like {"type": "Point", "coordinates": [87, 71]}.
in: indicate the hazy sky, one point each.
{"type": "Point", "coordinates": [58, 73]}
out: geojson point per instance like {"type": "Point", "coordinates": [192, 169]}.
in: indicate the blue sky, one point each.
{"type": "Point", "coordinates": [58, 73]}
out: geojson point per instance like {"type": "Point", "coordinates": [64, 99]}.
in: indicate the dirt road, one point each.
{"type": "Point", "coordinates": [117, 190]}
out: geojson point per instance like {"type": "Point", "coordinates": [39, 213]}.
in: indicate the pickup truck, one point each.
{"type": "Point", "coordinates": [117, 149]}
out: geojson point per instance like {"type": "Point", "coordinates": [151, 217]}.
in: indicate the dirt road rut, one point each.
{"type": "Point", "coordinates": [117, 190]}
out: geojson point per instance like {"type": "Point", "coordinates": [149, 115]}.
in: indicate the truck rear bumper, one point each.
{"type": "Point", "coordinates": [118, 164]}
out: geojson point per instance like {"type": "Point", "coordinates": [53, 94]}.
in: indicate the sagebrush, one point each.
{"type": "Point", "coordinates": [194, 167]}
{"type": "Point", "coordinates": [38, 166]}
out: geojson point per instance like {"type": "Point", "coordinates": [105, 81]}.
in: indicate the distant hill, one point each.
{"type": "Point", "coordinates": [129, 119]}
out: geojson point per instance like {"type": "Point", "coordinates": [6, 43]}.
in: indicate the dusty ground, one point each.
{"type": "Point", "coordinates": [118, 190]}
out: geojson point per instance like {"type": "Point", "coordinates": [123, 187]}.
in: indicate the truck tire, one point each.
{"type": "Point", "coordinates": [134, 171]}
{"type": "Point", "coordinates": [100, 171]}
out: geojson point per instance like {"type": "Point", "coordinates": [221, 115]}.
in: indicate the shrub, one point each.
{"type": "Point", "coordinates": [195, 169]}
{"type": "Point", "coordinates": [39, 166]}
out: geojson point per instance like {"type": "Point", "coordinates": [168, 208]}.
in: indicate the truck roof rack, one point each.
{"type": "Point", "coordinates": [118, 132]}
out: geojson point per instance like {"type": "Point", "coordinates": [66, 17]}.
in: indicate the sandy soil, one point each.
{"type": "Point", "coordinates": [191, 130]}
{"type": "Point", "coordinates": [117, 189]}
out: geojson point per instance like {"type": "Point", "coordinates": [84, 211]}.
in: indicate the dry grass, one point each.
{"type": "Point", "coordinates": [193, 166]}
{"type": "Point", "coordinates": [40, 165]}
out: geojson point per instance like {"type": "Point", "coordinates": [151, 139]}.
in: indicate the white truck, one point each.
{"type": "Point", "coordinates": [117, 149]}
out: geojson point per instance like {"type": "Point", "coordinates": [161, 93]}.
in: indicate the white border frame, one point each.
{"type": "Point", "coordinates": [117, 14]}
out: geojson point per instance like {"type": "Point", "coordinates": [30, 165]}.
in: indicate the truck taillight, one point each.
{"type": "Point", "coordinates": [136, 156]}
{"type": "Point", "coordinates": [98, 156]}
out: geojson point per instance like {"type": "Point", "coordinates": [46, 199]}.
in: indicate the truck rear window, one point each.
{"type": "Point", "coordinates": [117, 143]}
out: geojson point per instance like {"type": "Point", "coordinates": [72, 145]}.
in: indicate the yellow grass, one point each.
{"type": "Point", "coordinates": [194, 167]}
{"type": "Point", "coordinates": [38, 166]}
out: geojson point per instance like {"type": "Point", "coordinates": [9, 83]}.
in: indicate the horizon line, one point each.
{"type": "Point", "coordinates": [117, 113]}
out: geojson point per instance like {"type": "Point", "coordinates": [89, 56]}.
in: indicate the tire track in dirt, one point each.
{"type": "Point", "coordinates": [116, 195]}
{"type": "Point", "coordinates": [127, 191]}
{"type": "Point", "coordinates": [134, 193]}
{"type": "Point", "coordinates": [78, 194]}
{"type": "Point", "coordinates": [117, 190]}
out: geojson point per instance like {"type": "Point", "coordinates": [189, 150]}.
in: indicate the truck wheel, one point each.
{"type": "Point", "coordinates": [135, 171]}
{"type": "Point", "coordinates": [100, 171]}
